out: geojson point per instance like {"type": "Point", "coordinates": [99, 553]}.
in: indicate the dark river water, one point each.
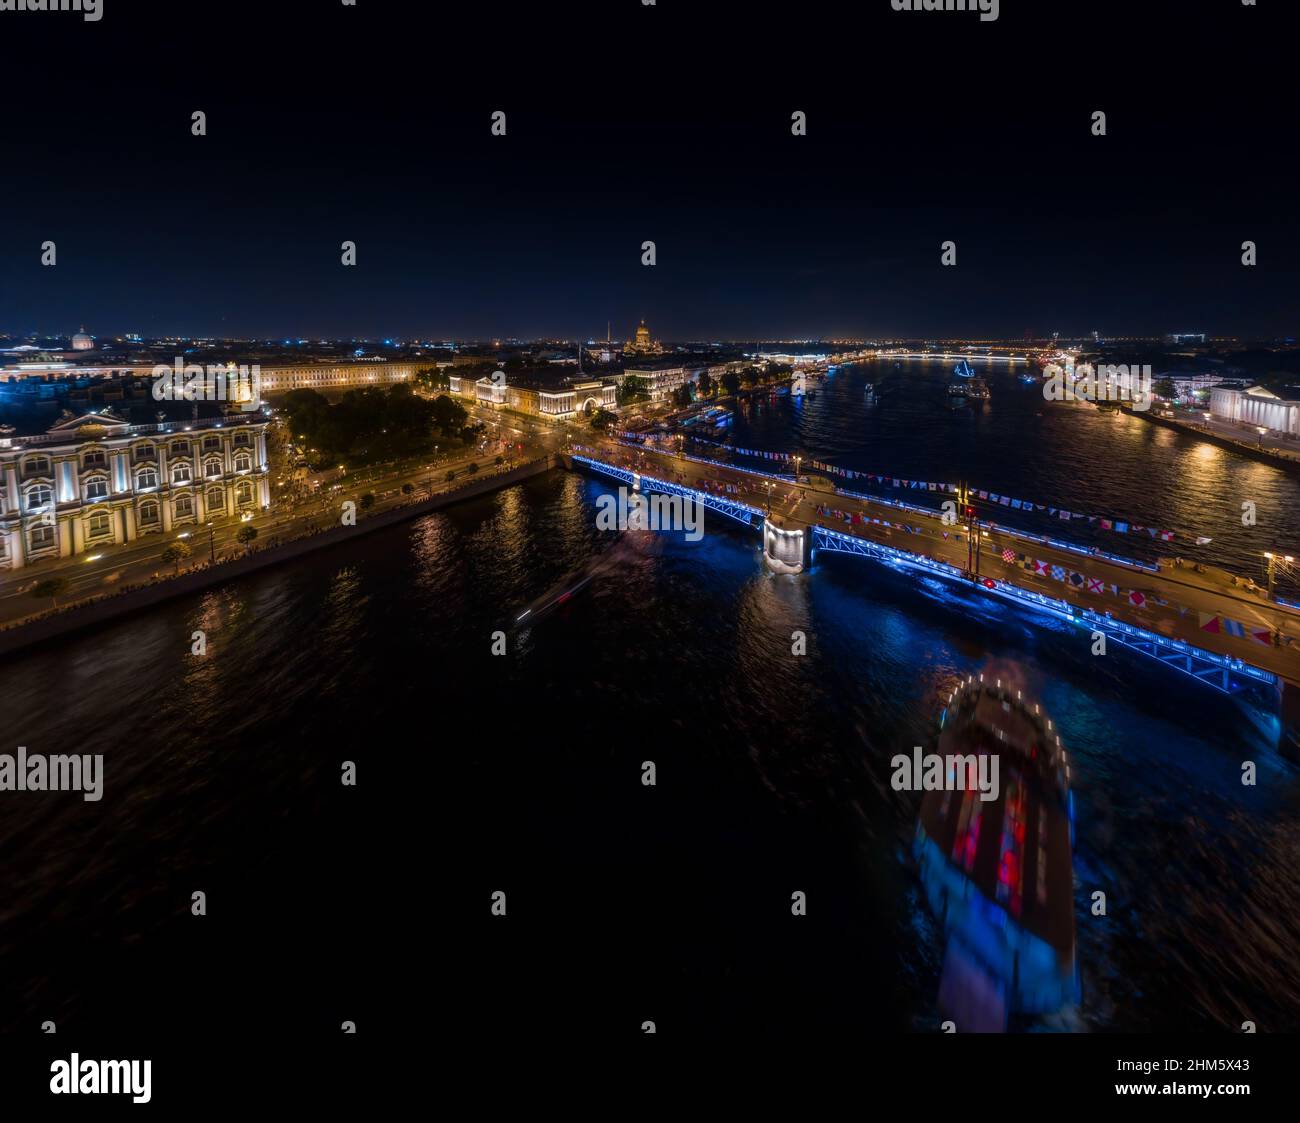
{"type": "Point", "coordinates": [1058, 454]}
{"type": "Point", "coordinates": [522, 774]}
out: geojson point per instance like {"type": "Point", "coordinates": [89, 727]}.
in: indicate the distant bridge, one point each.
{"type": "Point", "coordinates": [946, 355]}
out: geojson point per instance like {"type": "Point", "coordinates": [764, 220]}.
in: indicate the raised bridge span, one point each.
{"type": "Point", "coordinates": [1156, 611]}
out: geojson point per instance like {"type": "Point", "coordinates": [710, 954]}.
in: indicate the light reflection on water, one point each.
{"type": "Point", "coordinates": [773, 775]}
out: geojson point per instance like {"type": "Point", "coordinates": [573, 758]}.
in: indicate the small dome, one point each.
{"type": "Point", "coordinates": [82, 342]}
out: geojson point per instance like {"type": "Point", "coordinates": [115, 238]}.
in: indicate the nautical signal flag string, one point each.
{"type": "Point", "coordinates": [1117, 526]}
{"type": "Point", "coordinates": [1222, 625]}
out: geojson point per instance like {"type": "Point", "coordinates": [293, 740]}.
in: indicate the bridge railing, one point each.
{"type": "Point", "coordinates": [1224, 673]}
{"type": "Point", "coordinates": [733, 508]}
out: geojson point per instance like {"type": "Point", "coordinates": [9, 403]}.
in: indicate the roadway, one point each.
{"type": "Point", "coordinates": [113, 566]}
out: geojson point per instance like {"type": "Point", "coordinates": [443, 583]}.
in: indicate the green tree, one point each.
{"type": "Point", "coordinates": [634, 389]}
{"type": "Point", "coordinates": [601, 419]}
{"type": "Point", "coordinates": [500, 459]}
{"type": "Point", "coordinates": [245, 534]}
{"type": "Point", "coordinates": [472, 468]}
{"type": "Point", "coordinates": [176, 553]}
{"type": "Point", "coordinates": [448, 415]}
{"type": "Point", "coordinates": [52, 587]}
{"type": "Point", "coordinates": [682, 396]}
{"type": "Point", "coordinates": [431, 378]}
{"type": "Point", "coordinates": [1164, 388]}
{"type": "Point", "coordinates": [407, 488]}
{"type": "Point", "coordinates": [731, 382]}
{"type": "Point", "coordinates": [705, 384]}
{"type": "Point", "coordinates": [367, 500]}
{"type": "Point", "coordinates": [451, 474]}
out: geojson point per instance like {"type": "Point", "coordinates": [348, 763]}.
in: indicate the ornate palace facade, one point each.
{"type": "Point", "coordinates": [96, 479]}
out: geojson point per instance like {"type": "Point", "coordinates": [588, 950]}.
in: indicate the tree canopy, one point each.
{"type": "Point", "coordinates": [377, 423]}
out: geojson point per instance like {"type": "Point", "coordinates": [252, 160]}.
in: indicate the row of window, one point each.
{"type": "Point", "coordinates": [98, 458]}
{"type": "Point", "coordinates": [98, 524]}
{"type": "Point", "coordinates": [40, 495]}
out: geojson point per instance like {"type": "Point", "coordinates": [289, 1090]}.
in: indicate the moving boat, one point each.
{"type": "Point", "coordinates": [999, 872]}
{"type": "Point", "coordinates": [971, 387]}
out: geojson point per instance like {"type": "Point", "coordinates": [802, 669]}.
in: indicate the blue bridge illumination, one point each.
{"type": "Point", "coordinates": [1223, 673]}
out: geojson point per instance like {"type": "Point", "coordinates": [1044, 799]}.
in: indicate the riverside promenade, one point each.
{"type": "Point", "coordinates": [1266, 450]}
{"type": "Point", "coordinates": [45, 626]}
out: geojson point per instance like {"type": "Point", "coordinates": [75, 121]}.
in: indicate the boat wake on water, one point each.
{"type": "Point", "coordinates": [627, 545]}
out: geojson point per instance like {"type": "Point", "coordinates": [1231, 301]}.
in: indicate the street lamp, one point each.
{"type": "Point", "coordinates": [212, 540]}
{"type": "Point", "coordinates": [1261, 431]}
{"type": "Point", "coordinates": [1273, 559]}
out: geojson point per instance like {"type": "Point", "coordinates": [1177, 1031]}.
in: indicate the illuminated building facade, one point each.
{"type": "Point", "coordinates": [557, 403]}
{"type": "Point", "coordinates": [97, 479]}
{"type": "Point", "coordinates": [1258, 406]}
{"type": "Point", "coordinates": [661, 381]}
{"type": "Point", "coordinates": [337, 376]}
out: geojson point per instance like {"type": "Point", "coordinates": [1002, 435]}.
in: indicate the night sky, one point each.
{"type": "Point", "coordinates": [669, 123]}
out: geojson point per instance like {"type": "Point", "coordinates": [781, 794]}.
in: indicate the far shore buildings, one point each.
{"type": "Point", "coordinates": [556, 401]}
{"type": "Point", "coordinates": [1258, 406]}
{"type": "Point", "coordinates": [28, 376]}
{"type": "Point", "coordinates": [98, 478]}
{"type": "Point", "coordinates": [662, 376]}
